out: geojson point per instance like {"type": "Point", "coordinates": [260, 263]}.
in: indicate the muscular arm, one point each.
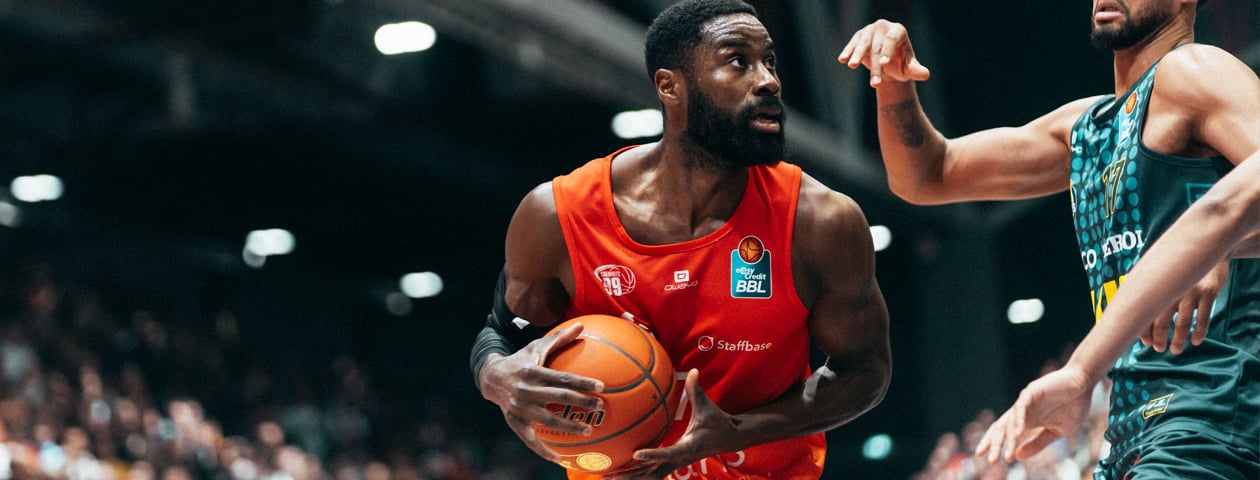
{"type": "Point", "coordinates": [925, 167]}
{"type": "Point", "coordinates": [834, 266]}
{"type": "Point", "coordinates": [538, 276]}
{"type": "Point", "coordinates": [533, 288]}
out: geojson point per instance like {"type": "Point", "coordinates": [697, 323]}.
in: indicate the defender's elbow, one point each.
{"type": "Point", "coordinates": [915, 193]}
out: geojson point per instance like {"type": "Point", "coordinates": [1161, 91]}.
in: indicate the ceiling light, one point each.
{"type": "Point", "coordinates": [274, 241]}
{"type": "Point", "coordinates": [881, 236]}
{"type": "Point", "coordinates": [36, 188]}
{"type": "Point", "coordinates": [1025, 311]}
{"type": "Point", "coordinates": [396, 38]}
{"type": "Point", "coordinates": [421, 285]}
{"type": "Point", "coordinates": [638, 124]}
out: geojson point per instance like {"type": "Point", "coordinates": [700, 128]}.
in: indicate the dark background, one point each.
{"type": "Point", "coordinates": [179, 126]}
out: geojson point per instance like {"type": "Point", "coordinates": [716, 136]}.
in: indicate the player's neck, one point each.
{"type": "Point", "coordinates": [673, 199]}
{"type": "Point", "coordinates": [1131, 63]}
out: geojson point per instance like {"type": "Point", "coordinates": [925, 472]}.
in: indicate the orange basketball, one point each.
{"type": "Point", "coordinates": [638, 380]}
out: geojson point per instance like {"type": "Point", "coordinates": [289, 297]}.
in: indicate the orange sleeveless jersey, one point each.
{"type": "Point", "coordinates": [725, 304]}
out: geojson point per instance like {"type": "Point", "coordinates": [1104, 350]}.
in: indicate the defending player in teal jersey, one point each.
{"type": "Point", "coordinates": [1181, 116]}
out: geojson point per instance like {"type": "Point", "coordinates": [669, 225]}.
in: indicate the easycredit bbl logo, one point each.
{"type": "Point", "coordinates": [750, 269]}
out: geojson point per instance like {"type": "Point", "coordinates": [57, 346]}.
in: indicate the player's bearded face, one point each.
{"type": "Point", "coordinates": [1137, 25]}
{"type": "Point", "coordinates": [730, 135]}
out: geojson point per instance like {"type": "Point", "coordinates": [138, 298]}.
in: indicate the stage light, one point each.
{"type": "Point", "coordinates": [405, 37]}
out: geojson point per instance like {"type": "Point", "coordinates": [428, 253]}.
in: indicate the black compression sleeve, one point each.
{"type": "Point", "coordinates": [500, 334]}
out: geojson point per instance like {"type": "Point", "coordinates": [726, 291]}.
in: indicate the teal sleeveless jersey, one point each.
{"type": "Point", "coordinates": [1124, 196]}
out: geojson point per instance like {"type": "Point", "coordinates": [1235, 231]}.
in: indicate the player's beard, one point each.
{"type": "Point", "coordinates": [1133, 30]}
{"type": "Point", "coordinates": [731, 138]}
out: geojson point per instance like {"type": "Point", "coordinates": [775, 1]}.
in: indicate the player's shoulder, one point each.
{"type": "Point", "coordinates": [1196, 56]}
{"type": "Point", "coordinates": [823, 207]}
{"type": "Point", "coordinates": [535, 213]}
{"type": "Point", "coordinates": [1198, 69]}
{"type": "Point", "coordinates": [540, 198]}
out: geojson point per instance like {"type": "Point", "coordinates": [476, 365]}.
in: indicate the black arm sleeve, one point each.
{"type": "Point", "coordinates": [500, 335]}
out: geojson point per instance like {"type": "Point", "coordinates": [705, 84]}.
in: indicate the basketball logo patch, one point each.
{"type": "Point", "coordinates": [618, 280]}
{"type": "Point", "coordinates": [750, 269]}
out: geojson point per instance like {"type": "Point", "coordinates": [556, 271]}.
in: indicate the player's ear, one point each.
{"type": "Point", "coordinates": [670, 87]}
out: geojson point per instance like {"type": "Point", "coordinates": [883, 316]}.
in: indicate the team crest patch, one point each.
{"type": "Point", "coordinates": [750, 269]}
{"type": "Point", "coordinates": [1130, 103]}
{"type": "Point", "coordinates": [618, 280]}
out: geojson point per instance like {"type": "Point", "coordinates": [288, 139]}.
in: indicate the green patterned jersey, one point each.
{"type": "Point", "coordinates": [1124, 196]}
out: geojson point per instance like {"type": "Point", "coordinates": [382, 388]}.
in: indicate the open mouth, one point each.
{"type": "Point", "coordinates": [768, 122]}
{"type": "Point", "coordinates": [1108, 10]}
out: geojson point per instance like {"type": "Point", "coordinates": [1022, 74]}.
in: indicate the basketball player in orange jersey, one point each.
{"type": "Point", "coordinates": [738, 262]}
{"type": "Point", "coordinates": [1181, 115]}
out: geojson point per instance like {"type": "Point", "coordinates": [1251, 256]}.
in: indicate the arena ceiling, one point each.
{"type": "Point", "coordinates": [214, 118]}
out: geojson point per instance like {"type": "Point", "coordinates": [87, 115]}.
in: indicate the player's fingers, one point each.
{"type": "Point", "coordinates": [698, 397]}
{"type": "Point", "coordinates": [1159, 330]}
{"type": "Point", "coordinates": [1034, 445]}
{"type": "Point", "coordinates": [1181, 330]}
{"type": "Point", "coordinates": [535, 414]}
{"type": "Point", "coordinates": [859, 48]}
{"type": "Point", "coordinates": [875, 59]}
{"type": "Point", "coordinates": [564, 337]}
{"type": "Point", "coordinates": [889, 45]}
{"type": "Point", "coordinates": [537, 378]}
{"type": "Point", "coordinates": [1203, 319]}
{"type": "Point", "coordinates": [849, 48]}
{"type": "Point", "coordinates": [1144, 335]}
{"type": "Point", "coordinates": [990, 443]}
{"type": "Point", "coordinates": [1010, 432]}
{"type": "Point", "coordinates": [918, 72]}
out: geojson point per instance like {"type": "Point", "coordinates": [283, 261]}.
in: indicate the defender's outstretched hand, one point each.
{"type": "Point", "coordinates": [884, 48]}
{"type": "Point", "coordinates": [1051, 407]}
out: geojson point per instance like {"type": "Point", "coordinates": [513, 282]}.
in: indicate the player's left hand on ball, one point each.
{"type": "Point", "coordinates": [710, 432]}
{"type": "Point", "coordinates": [1196, 305]}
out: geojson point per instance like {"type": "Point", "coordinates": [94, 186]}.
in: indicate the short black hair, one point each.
{"type": "Point", "coordinates": [1201, 4]}
{"type": "Point", "coordinates": [674, 35]}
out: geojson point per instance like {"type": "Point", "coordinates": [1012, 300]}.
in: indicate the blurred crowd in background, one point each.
{"type": "Point", "coordinates": [90, 393]}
